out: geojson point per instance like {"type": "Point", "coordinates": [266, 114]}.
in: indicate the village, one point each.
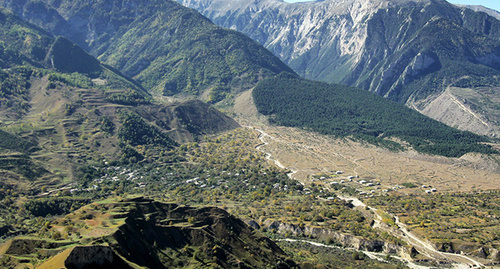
{"type": "Point", "coordinates": [366, 188]}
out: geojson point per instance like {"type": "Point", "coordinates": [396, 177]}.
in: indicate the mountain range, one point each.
{"type": "Point", "coordinates": [162, 48]}
{"type": "Point", "coordinates": [413, 52]}
{"type": "Point", "coordinates": [167, 48]}
{"type": "Point", "coordinates": [62, 108]}
{"type": "Point", "coordinates": [103, 99]}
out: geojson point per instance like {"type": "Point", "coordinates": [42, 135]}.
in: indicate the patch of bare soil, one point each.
{"type": "Point", "coordinates": [311, 154]}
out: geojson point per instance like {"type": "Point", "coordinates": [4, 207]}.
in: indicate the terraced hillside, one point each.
{"type": "Point", "coordinates": [137, 232]}
{"type": "Point", "coordinates": [408, 51]}
{"type": "Point", "coordinates": [62, 109]}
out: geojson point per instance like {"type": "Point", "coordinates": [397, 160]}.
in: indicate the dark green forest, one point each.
{"type": "Point", "coordinates": [350, 112]}
{"type": "Point", "coordinates": [136, 131]}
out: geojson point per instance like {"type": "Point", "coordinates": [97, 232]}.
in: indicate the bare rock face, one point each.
{"type": "Point", "coordinates": [495, 255]}
{"type": "Point", "coordinates": [404, 50]}
{"type": "Point", "coordinates": [420, 63]}
{"type": "Point", "coordinates": [465, 109]}
{"type": "Point", "coordinates": [328, 40]}
{"type": "Point", "coordinates": [346, 240]}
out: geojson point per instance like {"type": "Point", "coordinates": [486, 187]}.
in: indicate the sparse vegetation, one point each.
{"type": "Point", "coordinates": [453, 222]}
{"type": "Point", "coordinates": [16, 143]}
{"type": "Point", "coordinates": [310, 256]}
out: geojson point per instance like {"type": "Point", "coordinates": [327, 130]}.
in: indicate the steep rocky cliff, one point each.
{"type": "Point", "coordinates": [404, 50]}
{"type": "Point", "coordinates": [346, 240]}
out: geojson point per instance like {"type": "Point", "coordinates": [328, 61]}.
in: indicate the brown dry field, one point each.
{"type": "Point", "coordinates": [312, 154]}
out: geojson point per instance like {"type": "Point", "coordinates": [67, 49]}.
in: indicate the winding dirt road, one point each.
{"type": "Point", "coordinates": [421, 245]}
{"type": "Point", "coordinates": [262, 137]}
{"type": "Point", "coordinates": [457, 260]}
{"type": "Point", "coordinates": [371, 255]}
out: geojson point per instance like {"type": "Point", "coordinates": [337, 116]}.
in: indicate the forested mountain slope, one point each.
{"type": "Point", "coordinates": [343, 111]}
{"type": "Point", "coordinates": [408, 51]}
{"type": "Point", "coordinates": [168, 48]}
{"type": "Point", "coordinates": [61, 109]}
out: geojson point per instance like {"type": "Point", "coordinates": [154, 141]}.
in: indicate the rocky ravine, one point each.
{"type": "Point", "coordinates": [346, 240]}
{"type": "Point", "coordinates": [455, 107]}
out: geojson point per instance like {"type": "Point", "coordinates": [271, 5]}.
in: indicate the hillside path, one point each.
{"type": "Point", "coordinates": [457, 260]}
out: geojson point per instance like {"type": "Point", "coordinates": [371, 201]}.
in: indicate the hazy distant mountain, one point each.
{"type": "Point", "coordinates": [408, 51]}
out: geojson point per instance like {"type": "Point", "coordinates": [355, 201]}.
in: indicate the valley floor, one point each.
{"type": "Point", "coordinates": [314, 159]}
{"type": "Point", "coordinates": [310, 154]}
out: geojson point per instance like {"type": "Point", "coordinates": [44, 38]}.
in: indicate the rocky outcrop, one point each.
{"type": "Point", "coordinates": [487, 253]}
{"type": "Point", "coordinates": [463, 108]}
{"type": "Point", "coordinates": [495, 255]}
{"type": "Point", "coordinates": [421, 62]}
{"type": "Point", "coordinates": [346, 240]}
{"type": "Point", "coordinates": [406, 50]}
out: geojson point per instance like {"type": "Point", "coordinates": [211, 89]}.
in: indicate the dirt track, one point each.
{"type": "Point", "coordinates": [270, 146]}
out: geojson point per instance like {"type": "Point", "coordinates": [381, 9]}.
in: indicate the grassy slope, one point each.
{"type": "Point", "coordinates": [167, 47]}
{"type": "Point", "coordinates": [58, 95]}
{"type": "Point", "coordinates": [13, 142]}
{"type": "Point", "coordinates": [25, 44]}
{"type": "Point", "coordinates": [202, 235]}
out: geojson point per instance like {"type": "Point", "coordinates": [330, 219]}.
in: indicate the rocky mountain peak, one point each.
{"type": "Point", "coordinates": [291, 30]}
{"type": "Point", "coordinates": [405, 50]}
